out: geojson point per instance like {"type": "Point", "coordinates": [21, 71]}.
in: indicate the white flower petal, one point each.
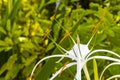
{"type": "Point", "coordinates": [58, 72]}
{"type": "Point", "coordinates": [53, 56]}
{"type": "Point", "coordinates": [79, 50]}
{"type": "Point", "coordinates": [84, 50]}
{"type": "Point", "coordinates": [114, 63]}
{"type": "Point", "coordinates": [112, 77]}
{"type": "Point", "coordinates": [71, 54]}
{"type": "Point", "coordinates": [102, 50]}
{"type": "Point", "coordinates": [103, 57]}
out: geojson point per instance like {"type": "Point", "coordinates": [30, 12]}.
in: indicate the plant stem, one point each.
{"type": "Point", "coordinates": [86, 72]}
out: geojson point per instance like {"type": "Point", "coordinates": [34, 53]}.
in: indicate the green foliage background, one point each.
{"type": "Point", "coordinates": [24, 25]}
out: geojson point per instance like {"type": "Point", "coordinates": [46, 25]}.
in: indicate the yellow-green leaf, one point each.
{"type": "Point", "coordinates": [2, 43]}
{"type": "Point", "coordinates": [2, 30]}
{"type": "Point", "coordinates": [95, 70]}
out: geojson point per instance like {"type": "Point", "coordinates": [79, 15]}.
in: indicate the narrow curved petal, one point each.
{"type": "Point", "coordinates": [114, 63]}
{"type": "Point", "coordinates": [71, 54]}
{"type": "Point", "coordinates": [53, 56]}
{"type": "Point", "coordinates": [58, 72]}
{"type": "Point", "coordinates": [103, 57]}
{"type": "Point", "coordinates": [60, 59]}
{"type": "Point", "coordinates": [112, 77]}
{"type": "Point", "coordinates": [102, 50]}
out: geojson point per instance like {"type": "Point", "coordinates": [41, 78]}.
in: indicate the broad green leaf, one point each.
{"type": "Point", "coordinates": [76, 25]}
{"type": "Point", "coordinates": [12, 73]}
{"type": "Point", "coordinates": [78, 14]}
{"type": "Point", "coordinates": [48, 67]}
{"type": "Point", "coordinates": [3, 43]}
{"type": "Point", "coordinates": [6, 45]}
{"type": "Point", "coordinates": [50, 46]}
{"type": "Point", "coordinates": [42, 3]}
{"type": "Point", "coordinates": [3, 68]}
{"type": "Point", "coordinates": [114, 69]}
{"type": "Point", "coordinates": [27, 70]}
{"type": "Point", "coordinates": [9, 64]}
{"type": "Point", "coordinates": [100, 37]}
{"type": "Point", "coordinates": [110, 33]}
{"type": "Point", "coordinates": [8, 25]}
{"type": "Point", "coordinates": [94, 6]}
{"type": "Point", "coordinates": [29, 60]}
{"type": "Point", "coordinates": [9, 41]}
{"type": "Point", "coordinates": [10, 6]}
{"type": "Point", "coordinates": [2, 78]}
{"type": "Point", "coordinates": [2, 30]}
{"type": "Point", "coordinates": [50, 2]}
{"type": "Point", "coordinates": [28, 46]}
{"type": "Point", "coordinates": [2, 48]}
{"type": "Point", "coordinates": [8, 48]}
{"type": "Point", "coordinates": [11, 61]}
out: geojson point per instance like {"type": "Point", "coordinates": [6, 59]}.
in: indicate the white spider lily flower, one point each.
{"type": "Point", "coordinates": [80, 54]}
{"type": "Point", "coordinates": [78, 51]}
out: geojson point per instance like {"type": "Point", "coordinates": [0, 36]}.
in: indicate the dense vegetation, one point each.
{"type": "Point", "coordinates": [29, 30]}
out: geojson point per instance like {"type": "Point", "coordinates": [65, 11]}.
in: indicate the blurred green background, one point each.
{"type": "Point", "coordinates": [25, 25]}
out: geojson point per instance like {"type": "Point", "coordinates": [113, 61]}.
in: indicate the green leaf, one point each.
{"type": "Point", "coordinates": [10, 5]}
{"type": "Point", "coordinates": [9, 64]}
{"type": "Point", "coordinates": [78, 14]}
{"type": "Point", "coordinates": [115, 69]}
{"type": "Point", "coordinates": [2, 78]}
{"type": "Point", "coordinates": [96, 77]}
{"type": "Point", "coordinates": [100, 37]}
{"type": "Point", "coordinates": [6, 45]}
{"type": "Point", "coordinates": [8, 41]}
{"type": "Point", "coordinates": [2, 30]}
{"type": "Point", "coordinates": [2, 48]}
{"type": "Point", "coordinates": [27, 70]}
{"type": "Point", "coordinates": [8, 25]}
{"type": "Point", "coordinates": [15, 8]}
{"type": "Point", "coordinates": [28, 46]}
{"type": "Point", "coordinates": [12, 73]}
{"type": "Point", "coordinates": [50, 46]}
{"type": "Point", "coordinates": [50, 2]}
{"type": "Point", "coordinates": [41, 5]}
{"type": "Point", "coordinates": [110, 33]}
{"type": "Point", "coordinates": [3, 68]}
{"type": "Point", "coordinates": [8, 48]}
{"type": "Point", "coordinates": [3, 43]}
{"type": "Point", "coordinates": [47, 69]}
{"type": "Point", "coordinates": [29, 60]}
{"type": "Point", "coordinates": [76, 25]}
